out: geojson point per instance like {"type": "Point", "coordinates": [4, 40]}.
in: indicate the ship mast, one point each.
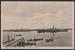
{"type": "Point", "coordinates": [53, 30]}
{"type": "Point", "coordinates": [53, 34]}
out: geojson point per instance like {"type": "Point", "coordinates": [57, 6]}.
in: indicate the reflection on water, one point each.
{"type": "Point", "coordinates": [60, 39]}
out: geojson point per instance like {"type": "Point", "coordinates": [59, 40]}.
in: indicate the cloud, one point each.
{"type": "Point", "coordinates": [29, 14]}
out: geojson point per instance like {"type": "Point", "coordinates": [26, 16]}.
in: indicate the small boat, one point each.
{"type": "Point", "coordinates": [49, 40]}
{"type": "Point", "coordinates": [35, 39]}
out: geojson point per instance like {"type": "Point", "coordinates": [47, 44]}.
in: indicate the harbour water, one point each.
{"type": "Point", "coordinates": [61, 39]}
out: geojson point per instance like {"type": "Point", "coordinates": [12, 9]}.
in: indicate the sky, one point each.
{"type": "Point", "coordinates": [36, 14]}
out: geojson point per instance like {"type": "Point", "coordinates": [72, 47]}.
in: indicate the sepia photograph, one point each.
{"type": "Point", "coordinates": [37, 25]}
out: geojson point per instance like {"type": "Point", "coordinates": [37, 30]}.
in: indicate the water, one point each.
{"type": "Point", "coordinates": [60, 39]}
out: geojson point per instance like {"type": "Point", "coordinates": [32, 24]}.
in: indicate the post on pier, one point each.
{"type": "Point", "coordinates": [8, 38]}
